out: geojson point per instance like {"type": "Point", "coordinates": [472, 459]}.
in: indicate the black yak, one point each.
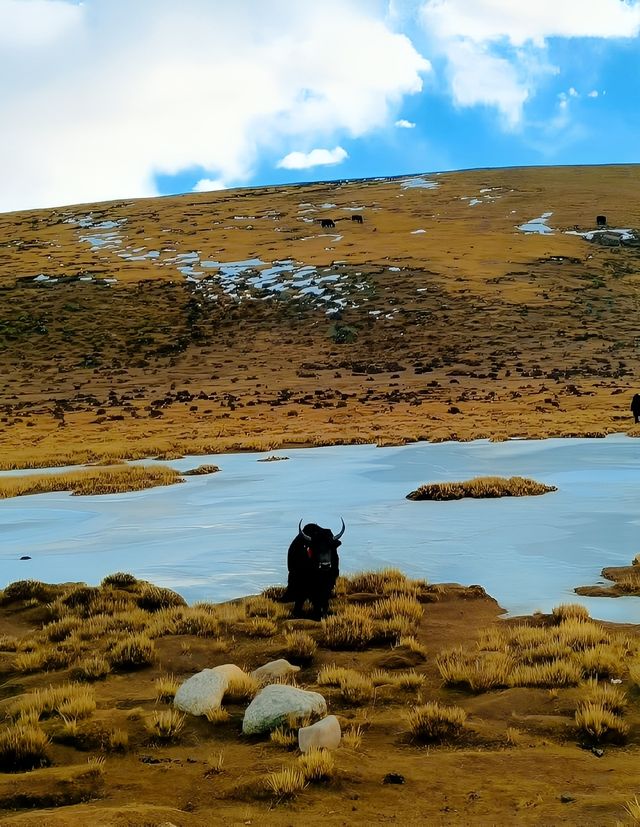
{"type": "Point", "coordinates": [635, 407]}
{"type": "Point", "coordinates": [327, 222]}
{"type": "Point", "coordinates": [357, 218]}
{"type": "Point", "coordinates": [313, 565]}
{"type": "Point", "coordinates": [601, 220]}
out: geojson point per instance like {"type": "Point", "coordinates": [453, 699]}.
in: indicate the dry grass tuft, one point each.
{"type": "Point", "coordinates": [154, 598]}
{"type": "Point", "coordinates": [133, 652]}
{"type": "Point", "coordinates": [261, 606]}
{"type": "Point", "coordinates": [317, 765]}
{"type": "Point", "coordinates": [353, 629]}
{"type": "Point", "coordinates": [597, 722]}
{"type": "Point", "coordinates": [217, 715]}
{"type": "Point", "coordinates": [569, 611]}
{"type": "Point", "coordinates": [547, 674]}
{"type": "Point", "coordinates": [413, 645]}
{"type": "Point", "coordinates": [242, 688]}
{"type": "Point", "coordinates": [434, 722]}
{"type": "Point", "coordinates": [352, 738]}
{"type": "Point", "coordinates": [283, 737]}
{"type": "Point", "coordinates": [120, 580]}
{"type": "Point", "coordinates": [23, 746]}
{"type": "Point", "coordinates": [355, 689]}
{"type": "Point", "coordinates": [299, 647]}
{"type": "Point", "coordinates": [490, 671]}
{"type": "Point", "coordinates": [91, 668]}
{"type": "Point", "coordinates": [166, 725]}
{"type": "Point", "coordinates": [606, 695]}
{"type": "Point", "coordinates": [28, 590]}
{"type": "Point", "coordinates": [634, 674]}
{"type": "Point", "coordinates": [485, 487]}
{"type": "Point", "coordinates": [166, 688]}
{"type": "Point", "coordinates": [632, 809]}
{"type": "Point", "coordinates": [332, 675]}
{"type": "Point", "coordinates": [118, 740]}
{"type": "Point", "coordinates": [286, 783]}
{"type": "Point", "coordinates": [261, 627]}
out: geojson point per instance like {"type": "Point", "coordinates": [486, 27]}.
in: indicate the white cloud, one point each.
{"type": "Point", "coordinates": [209, 185]}
{"type": "Point", "coordinates": [315, 158]}
{"type": "Point", "coordinates": [495, 50]}
{"type": "Point", "coordinates": [118, 92]}
{"type": "Point", "coordinates": [593, 93]}
{"type": "Point", "coordinates": [404, 124]}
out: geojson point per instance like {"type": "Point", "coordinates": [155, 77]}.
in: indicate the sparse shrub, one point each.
{"type": "Point", "coordinates": [434, 722]}
{"type": "Point", "coordinates": [409, 680]}
{"type": "Point", "coordinates": [599, 723]}
{"type": "Point", "coordinates": [118, 740]}
{"type": "Point", "coordinates": [60, 630]}
{"type": "Point", "coordinates": [397, 605]}
{"type": "Point", "coordinates": [132, 653]}
{"type": "Point", "coordinates": [261, 606]}
{"type": "Point", "coordinates": [512, 736]}
{"type": "Point", "coordinates": [91, 668]}
{"type": "Point", "coordinates": [81, 597]}
{"type": "Point", "coordinates": [28, 590]}
{"type": "Point", "coordinates": [332, 675]}
{"type": "Point", "coordinates": [392, 629]}
{"type": "Point", "coordinates": [23, 747]}
{"type": "Point", "coordinates": [165, 725]}
{"type": "Point", "coordinates": [286, 783]}
{"type": "Point", "coordinates": [215, 764]}
{"type": "Point", "coordinates": [380, 677]}
{"type": "Point", "coordinates": [78, 702]}
{"type": "Point", "coordinates": [283, 737]}
{"type": "Point", "coordinates": [355, 689]}
{"type": "Point", "coordinates": [200, 622]}
{"type": "Point", "coordinates": [153, 598]}
{"type": "Point", "coordinates": [166, 688]}
{"type": "Point", "coordinates": [548, 673]}
{"type": "Point", "coordinates": [601, 661]}
{"type": "Point", "coordinates": [317, 765]}
{"type": "Point", "coordinates": [569, 611]}
{"type": "Point", "coordinates": [353, 629]}
{"type": "Point", "coordinates": [490, 671]}
{"type": "Point", "coordinates": [580, 635]}
{"type": "Point", "coordinates": [606, 695]}
{"type": "Point", "coordinates": [352, 738]}
{"type": "Point", "coordinates": [217, 715]}
{"type": "Point", "coordinates": [8, 643]}
{"type": "Point", "coordinates": [276, 593]}
{"type": "Point", "coordinates": [120, 580]}
{"type": "Point", "coordinates": [299, 647]}
{"type": "Point", "coordinates": [261, 627]}
{"type": "Point", "coordinates": [413, 645]}
{"type": "Point", "coordinates": [241, 688]}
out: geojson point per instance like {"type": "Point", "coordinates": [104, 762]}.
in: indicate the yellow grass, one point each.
{"type": "Point", "coordinates": [217, 715]}
{"type": "Point", "coordinates": [478, 673]}
{"type": "Point", "coordinates": [481, 487]}
{"type": "Point", "coordinates": [352, 738]}
{"type": "Point", "coordinates": [261, 627]}
{"type": "Point", "coordinates": [606, 695]}
{"type": "Point", "coordinates": [242, 687]}
{"type": "Point", "coordinates": [23, 746]}
{"type": "Point", "coordinates": [569, 611]}
{"type": "Point", "coordinates": [286, 783]}
{"type": "Point", "coordinates": [600, 723]}
{"type": "Point", "coordinates": [435, 722]}
{"type": "Point", "coordinates": [547, 674]}
{"type": "Point", "coordinates": [353, 629]}
{"type": "Point", "coordinates": [91, 668]}
{"type": "Point", "coordinates": [299, 646]}
{"type": "Point", "coordinates": [632, 809]}
{"type": "Point", "coordinates": [316, 765]}
{"type": "Point", "coordinates": [165, 725]}
{"type": "Point", "coordinates": [118, 740]}
{"type": "Point", "coordinates": [283, 737]}
{"type": "Point", "coordinates": [355, 689]}
{"type": "Point", "coordinates": [111, 480]}
{"type": "Point", "coordinates": [166, 687]}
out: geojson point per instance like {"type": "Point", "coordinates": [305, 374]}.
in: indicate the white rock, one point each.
{"type": "Point", "coordinates": [205, 690]}
{"type": "Point", "coordinates": [274, 669]}
{"type": "Point", "coordinates": [273, 705]}
{"type": "Point", "coordinates": [324, 734]}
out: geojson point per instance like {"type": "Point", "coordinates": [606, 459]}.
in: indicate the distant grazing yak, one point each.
{"type": "Point", "coordinates": [313, 565]}
{"type": "Point", "coordinates": [357, 218]}
{"type": "Point", "coordinates": [601, 220]}
{"type": "Point", "coordinates": [327, 222]}
{"type": "Point", "coordinates": [635, 406]}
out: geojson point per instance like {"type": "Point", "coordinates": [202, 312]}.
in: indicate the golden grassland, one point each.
{"type": "Point", "coordinates": [111, 480]}
{"type": "Point", "coordinates": [479, 330]}
{"type": "Point", "coordinates": [481, 487]}
{"type": "Point", "coordinates": [625, 580]}
{"type": "Point", "coordinates": [502, 721]}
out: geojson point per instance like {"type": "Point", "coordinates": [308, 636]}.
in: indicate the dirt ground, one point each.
{"type": "Point", "coordinates": [519, 759]}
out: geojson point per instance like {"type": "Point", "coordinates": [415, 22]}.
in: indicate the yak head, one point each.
{"type": "Point", "coordinates": [320, 543]}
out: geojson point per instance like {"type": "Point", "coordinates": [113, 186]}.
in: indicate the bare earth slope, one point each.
{"type": "Point", "coordinates": [122, 332]}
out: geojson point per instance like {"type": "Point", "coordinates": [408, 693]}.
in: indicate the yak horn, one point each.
{"type": "Point", "coordinates": [302, 534]}
{"type": "Point", "coordinates": [341, 532]}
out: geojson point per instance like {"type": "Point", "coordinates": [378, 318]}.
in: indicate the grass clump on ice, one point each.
{"type": "Point", "coordinates": [481, 487]}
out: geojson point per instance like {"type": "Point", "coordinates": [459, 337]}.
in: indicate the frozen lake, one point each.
{"type": "Point", "coordinates": [226, 535]}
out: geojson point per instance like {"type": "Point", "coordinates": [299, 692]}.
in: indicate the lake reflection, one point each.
{"type": "Point", "coordinates": [226, 535]}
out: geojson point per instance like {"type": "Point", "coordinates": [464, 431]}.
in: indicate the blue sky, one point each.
{"type": "Point", "coordinates": [107, 99]}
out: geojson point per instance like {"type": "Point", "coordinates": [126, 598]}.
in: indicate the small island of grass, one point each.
{"type": "Point", "coordinates": [109, 480]}
{"type": "Point", "coordinates": [480, 487]}
{"type": "Point", "coordinates": [625, 581]}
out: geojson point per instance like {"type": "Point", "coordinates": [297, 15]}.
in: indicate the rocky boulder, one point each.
{"type": "Point", "coordinates": [205, 690]}
{"type": "Point", "coordinates": [273, 670]}
{"type": "Point", "coordinates": [324, 734]}
{"type": "Point", "coordinates": [276, 704]}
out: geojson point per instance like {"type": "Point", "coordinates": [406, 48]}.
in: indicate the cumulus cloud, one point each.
{"type": "Point", "coordinates": [404, 124]}
{"type": "Point", "coordinates": [495, 50]}
{"type": "Point", "coordinates": [209, 185]}
{"type": "Point", "coordinates": [315, 158]}
{"type": "Point", "coordinates": [107, 94]}
{"type": "Point", "coordinates": [593, 93]}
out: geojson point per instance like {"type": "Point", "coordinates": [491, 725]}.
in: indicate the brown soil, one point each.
{"type": "Point", "coordinates": [625, 580]}
{"type": "Point", "coordinates": [518, 760]}
{"type": "Point", "coordinates": [482, 331]}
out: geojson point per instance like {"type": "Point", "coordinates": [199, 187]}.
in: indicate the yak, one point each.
{"type": "Point", "coordinates": [635, 407]}
{"type": "Point", "coordinates": [313, 565]}
{"type": "Point", "coordinates": [327, 222]}
{"type": "Point", "coordinates": [357, 218]}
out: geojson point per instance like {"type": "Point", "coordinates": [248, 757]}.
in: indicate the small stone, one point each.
{"type": "Point", "coordinates": [566, 798]}
{"type": "Point", "coordinates": [274, 704]}
{"type": "Point", "coordinates": [324, 734]}
{"type": "Point", "coordinates": [393, 778]}
{"type": "Point", "coordinates": [597, 752]}
{"type": "Point", "coordinates": [274, 669]}
{"type": "Point", "coordinates": [25, 557]}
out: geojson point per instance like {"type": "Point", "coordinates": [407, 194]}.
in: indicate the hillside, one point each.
{"type": "Point", "coordinates": [232, 319]}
